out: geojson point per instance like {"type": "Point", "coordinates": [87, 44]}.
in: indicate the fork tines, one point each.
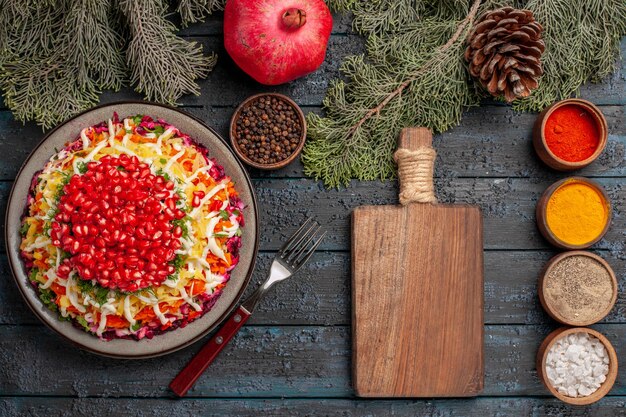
{"type": "Point", "coordinates": [301, 246]}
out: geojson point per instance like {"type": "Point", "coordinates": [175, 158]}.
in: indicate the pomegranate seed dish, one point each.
{"type": "Point", "coordinates": [131, 229]}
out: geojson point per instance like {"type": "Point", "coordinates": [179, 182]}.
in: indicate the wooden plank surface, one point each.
{"type": "Point", "coordinates": [480, 407]}
{"type": "Point", "coordinates": [261, 362]}
{"type": "Point", "coordinates": [298, 345]}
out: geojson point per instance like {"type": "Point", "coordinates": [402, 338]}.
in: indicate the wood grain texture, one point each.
{"type": "Point", "coordinates": [260, 362]}
{"type": "Point", "coordinates": [100, 407]}
{"type": "Point", "coordinates": [417, 296]}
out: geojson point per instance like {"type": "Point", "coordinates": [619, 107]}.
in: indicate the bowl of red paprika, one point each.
{"type": "Point", "coordinates": [570, 134]}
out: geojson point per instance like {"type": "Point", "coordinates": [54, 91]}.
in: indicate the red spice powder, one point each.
{"type": "Point", "coordinates": [572, 133]}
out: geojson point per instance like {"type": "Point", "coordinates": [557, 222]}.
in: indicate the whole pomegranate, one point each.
{"type": "Point", "coordinates": [277, 41]}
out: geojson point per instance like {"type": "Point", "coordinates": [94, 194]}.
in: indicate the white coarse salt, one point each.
{"type": "Point", "coordinates": [577, 365]}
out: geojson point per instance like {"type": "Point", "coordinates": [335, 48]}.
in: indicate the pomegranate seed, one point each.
{"type": "Point", "coordinates": [170, 203]}
{"type": "Point", "coordinates": [116, 224]}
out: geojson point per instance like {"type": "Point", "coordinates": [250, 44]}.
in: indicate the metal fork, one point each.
{"type": "Point", "coordinates": [289, 259]}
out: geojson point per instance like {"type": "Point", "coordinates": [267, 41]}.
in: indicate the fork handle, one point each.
{"type": "Point", "coordinates": [190, 373]}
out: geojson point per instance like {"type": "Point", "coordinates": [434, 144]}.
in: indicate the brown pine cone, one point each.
{"type": "Point", "coordinates": [504, 51]}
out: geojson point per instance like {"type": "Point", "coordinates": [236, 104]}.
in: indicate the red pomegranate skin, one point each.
{"type": "Point", "coordinates": [277, 41]}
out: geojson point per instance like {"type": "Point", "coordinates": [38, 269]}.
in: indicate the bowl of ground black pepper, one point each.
{"type": "Point", "coordinates": [577, 288]}
{"type": "Point", "coordinates": [268, 130]}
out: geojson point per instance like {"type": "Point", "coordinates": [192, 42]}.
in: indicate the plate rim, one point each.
{"type": "Point", "coordinates": [13, 268]}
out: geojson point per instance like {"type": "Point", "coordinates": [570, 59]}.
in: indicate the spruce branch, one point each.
{"type": "Point", "coordinates": [582, 41]}
{"type": "Point", "coordinates": [437, 59]}
{"type": "Point", "coordinates": [192, 11]}
{"type": "Point", "coordinates": [91, 44]}
{"type": "Point", "coordinates": [59, 68]}
{"type": "Point", "coordinates": [363, 116]}
{"type": "Point", "coordinates": [162, 65]}
{"type": "Point", "coordinates": [407, 78]}
{"type": "Point", "coordinates": [56, 56]}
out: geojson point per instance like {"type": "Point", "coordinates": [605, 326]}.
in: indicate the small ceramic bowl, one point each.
{"type": "Point", "coordinates": [544, 152]}
{"type": "Point", "coordinates": [542, 355]}
{"type": "Point", "coordinates": [279, 164]}
{"type": "Point", "coordinates": [542, 205]}
{"type": "Point", "coordinates": [553, 310]}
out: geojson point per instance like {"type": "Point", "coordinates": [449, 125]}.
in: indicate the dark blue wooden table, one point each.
{"type": "Point", "coordinates": [294, 355]}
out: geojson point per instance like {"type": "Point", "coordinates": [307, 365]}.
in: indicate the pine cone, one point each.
{"type": "Point", "coordinates": [504, 51]}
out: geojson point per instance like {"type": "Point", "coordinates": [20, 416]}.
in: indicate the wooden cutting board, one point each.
{"type": "Point", "coordinates": [417, 296]}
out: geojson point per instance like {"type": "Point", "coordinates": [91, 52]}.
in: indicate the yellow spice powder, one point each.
{"type": "Point", "coordinates": [576, 213]}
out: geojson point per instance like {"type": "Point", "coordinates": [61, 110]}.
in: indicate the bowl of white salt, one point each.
{"type": "Point", "coordinates": [578, 365]}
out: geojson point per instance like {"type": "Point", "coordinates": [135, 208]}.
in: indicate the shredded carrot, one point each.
{"type": "Point", "coordinates": [40, 263]}
{"type": "Point", "coordinates": [193, 314]}
{"type": "Point", "coordinates": [195, 287]}
{"type": "Point", "coordinates": [170, 308]}
{"type": "Point", "coordinates": [73, 310]}
{"type": "Point", "coordinates": [146, 314]}
{"type": "Point", "coordinates": [117, 322]}
{"type": "Point", "coordinates": [58, 289]}
{"type": "Point", "coordinates": [188, 165]}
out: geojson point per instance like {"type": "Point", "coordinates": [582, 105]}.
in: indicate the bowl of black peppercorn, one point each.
{"type": "Point", "coordinates": [268, 130]}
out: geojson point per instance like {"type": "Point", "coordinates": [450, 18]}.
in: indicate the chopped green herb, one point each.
{"type": "Point", "coordinates": [84, 285]}
{"type": "Point", "coordinates": [64, 318]}
{"type": "Point", "coordinates": [129, 131]}
{"type": "Point", "coordinates": [120, 168]}
{"type": "Point", "coordinates": [163, 161]}
{"type": "Point", "coordinates": [32, 275]}
{"type": "Point", "coordinates": [238, 232]}
{"type": "Point", "coordinates": [224, 215]}
{"type": "Point", "coordinates": [172, 277]}
{"type": "Point", "coordinates": [137, 119]}
{"type": "Point", "coordinates": [163, 174]}
{"type": "Point", "coordinates": [158, 130]}
{"type": "Point", "coordinates": [24, 229]}
{"type": "Point", "coordinates": [48, 296]}
{"type": "Point", "coordinates": [178, 261]}
{"type": "Point", "coordinates": [220, 234]}
{"type": "Point", "coordinates": [101, 294]}
{"type": "Point", "coordinates": [82, 167]}
{"type": "Point", "coordinates": [52, 213]}
{"type": "Point", "coordinates": [46, 228]}
{"type": "Point", "coordinates": [135, 326]}
{"type": "Point", "coordinates": [81, 320]}
{"type": "Point", "coordinates": [183, 225]}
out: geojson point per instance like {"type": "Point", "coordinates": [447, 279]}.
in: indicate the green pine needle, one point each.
{"type": "Point", "coordinates": [56, 56]}
{"type": "Point", "coordinates": [163, 66]}
{"type": "Point", "coordinates": [405, 52]}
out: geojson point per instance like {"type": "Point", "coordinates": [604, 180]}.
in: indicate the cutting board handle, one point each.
{"type": "Point", "coordinates": [416, 164]}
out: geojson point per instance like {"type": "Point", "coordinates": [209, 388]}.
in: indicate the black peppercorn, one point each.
{"type": "Point", "coordinates": [267, 130]}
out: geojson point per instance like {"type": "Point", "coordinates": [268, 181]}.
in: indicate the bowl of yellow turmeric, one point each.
{"type": "Point", "coordinates": [574, 213]}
